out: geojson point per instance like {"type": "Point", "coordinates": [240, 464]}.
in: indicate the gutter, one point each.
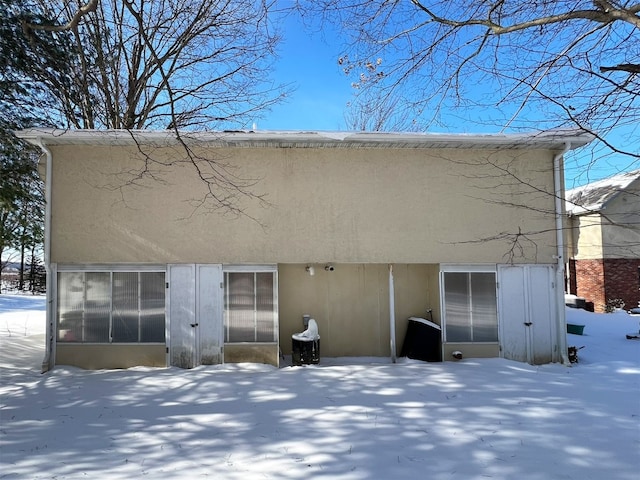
{"type": "Point", "coordinates": [560, 309]}
{"type": "Point", "coordinates": [48, 362]}
{"type": "Point", "coordinates": [549, 140]}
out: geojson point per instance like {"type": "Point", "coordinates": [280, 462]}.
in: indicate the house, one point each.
{"type": "Point", "coordinates": [360, 231]}
{"type": "Point", "coordinates": [604, 241]}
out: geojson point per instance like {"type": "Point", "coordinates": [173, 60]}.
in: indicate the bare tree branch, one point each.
{"type": "Point", "coordinates": [623, 67]}
{"type": "Point", "coordinates": [71, 25]}
{"type": "Point", "coordinates": [605, 13]}
{"type": "Point", "coordinates": [509, 64]}
{"type": "Point", "coordinates": [182, 65]}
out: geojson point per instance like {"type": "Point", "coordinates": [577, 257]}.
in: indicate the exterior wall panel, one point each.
{"type": "Point", "coordinates": [586, 236]}
{"type": "Point", "coordinates": [342, 205]}
{"type": "Point", "coordinates": [621, 225]}
{"type": "Point", "coordinates": [252, 353]}
{"type": "Point", "coordinates": [98, 356]}
{"type": "Point", "coordinates": [351, 305]}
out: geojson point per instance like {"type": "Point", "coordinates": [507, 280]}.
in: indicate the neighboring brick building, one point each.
{"type": "Point", "coordinates": [604, 240]}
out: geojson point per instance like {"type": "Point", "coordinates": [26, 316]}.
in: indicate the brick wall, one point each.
{"type": "Point", "coordinates": [600, 280]}
{"type": "Point", "coordinates": [570, 283]}
{"type": "Point", "coordinates": [622, 280]}
{"type": "Point", "coordinates": [590, 282]}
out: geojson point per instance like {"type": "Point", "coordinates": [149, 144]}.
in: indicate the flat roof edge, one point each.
{"type": "Point", "coordinates": [551, 139]}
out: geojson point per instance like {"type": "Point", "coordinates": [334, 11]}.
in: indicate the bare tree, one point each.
{"type": "Point", "coordinates": [181, 65]}
{"type": "Point", "coordinates": [505, 65]}
{"type": "Point", "coordinates": [515, 64]}
{"type": "Point", "coordinates": [141, 64]}
{"type": "Point", "coordinates": [374, 111]}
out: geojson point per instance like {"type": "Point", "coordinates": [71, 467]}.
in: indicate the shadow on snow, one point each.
{"type": "Point", "coordinates": [408, 420]}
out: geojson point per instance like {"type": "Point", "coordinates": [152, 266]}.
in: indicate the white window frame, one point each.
{"type": "Point", "coordinates": [111, 269]}
{"type": "Point", "coordinates": [252, 269]}
{"type": "Point", "coordinates": [470, 268]}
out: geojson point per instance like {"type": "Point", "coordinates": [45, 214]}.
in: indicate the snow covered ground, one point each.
{"type": "Point", "coordinates": [343, 419]}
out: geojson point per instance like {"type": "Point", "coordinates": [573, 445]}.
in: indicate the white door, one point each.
{"type": "Point", "coordinates": [512, 316]}
{"type": "Point", "coordinates": [209, 314]}
{"type": "Point", "coordinates": [543, 314]}
{"type": "Point", "coordinates": [195, 315]}
{"type": "Point", "coordinates": [182, 316]}
{"type": "Point", "coordinates": [526, 302]}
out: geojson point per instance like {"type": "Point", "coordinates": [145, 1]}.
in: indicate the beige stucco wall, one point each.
{"type": "Point", "coordinates": [267, 353]}
{"type": "Point", "coordinates": [586, 237]}
{"type": "Point", "coordinates": [96, 356]}
{"type": "Point", "coordinates": [351, 304]}
{"type": "Point", "coordinates": [621, 224]}
{"type": "Point", "coordinates": [613, 233]}
{"type": "Point", "coordinates": [470, 350]}
{"type": "Point", "coordinates": [338, 205]}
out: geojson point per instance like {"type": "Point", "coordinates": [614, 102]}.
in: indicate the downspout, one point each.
{"type": "Point", "coordinates": [560, 309]}
{"type": "Point", "coordinates": [392, 315]}
{"type": "Point", "coordinates": [47, 362]}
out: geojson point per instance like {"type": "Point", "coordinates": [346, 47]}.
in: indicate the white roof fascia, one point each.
{"type": "Point", "coordinates": [552, 140]}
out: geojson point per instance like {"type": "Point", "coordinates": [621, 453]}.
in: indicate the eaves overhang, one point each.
{"type": "Point", "coordinates": [547, 140]}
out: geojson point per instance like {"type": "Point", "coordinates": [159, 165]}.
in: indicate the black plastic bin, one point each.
{"type": "Point", "coordinates": [304, 350]}
{"type": "Point", "coordinates": [423, 341]}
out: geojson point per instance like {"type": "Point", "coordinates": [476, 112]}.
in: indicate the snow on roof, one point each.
{"type": "Point", "coordinates": [552, 139]}
{"type": "Point", "coordinates": [594, 196]}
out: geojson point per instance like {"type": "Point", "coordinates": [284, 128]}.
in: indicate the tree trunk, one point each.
{"type": "Point", "coordinates": [32, 270]}
{"type": "Point", "coordinates": [21, 277]}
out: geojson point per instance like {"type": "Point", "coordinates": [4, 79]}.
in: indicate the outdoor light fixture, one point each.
{"type": "Point", "coordinates": [329, 268]}
{"type": "Point", "coordinates": [310, 270]}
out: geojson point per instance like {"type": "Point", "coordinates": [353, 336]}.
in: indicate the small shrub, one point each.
{"type": "Point", "coordinates": [613, 304]}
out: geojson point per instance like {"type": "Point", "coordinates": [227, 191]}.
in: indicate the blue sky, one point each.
{"type": "Point", "coordinates": [322, 90]}
{"type": "Point", "coordinates": [308, 61]}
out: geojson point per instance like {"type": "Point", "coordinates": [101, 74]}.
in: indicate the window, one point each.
{"type": "Point", "coordinates": [470, 312]}
{"type": "Point", "coordinates": [111, 307]}
{"type": "Point", "coordinates": [250, 306]}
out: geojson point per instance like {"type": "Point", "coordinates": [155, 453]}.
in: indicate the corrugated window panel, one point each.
{"type": "Point", "coordinates": [484, 313]}
{"type": "Point", "coordinates": [125, 307]}
{"type": "Point", "coordinates": [240, 307]}
{"type": "Point", "coordinates": [70, 306]}
{"type": "Point", "coordinates": [265, 315]}
{"type": "Point", "coordinates": [152, 307]}
{"type": "Point", "coordinates": [97, 307]}
{"type": "Point", "coordinates": [457, 307]}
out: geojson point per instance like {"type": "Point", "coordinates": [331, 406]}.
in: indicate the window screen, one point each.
{"type": "Point", "coordinates": [470, 307]}
{"type": "Point", "coordinates": [97, 307]}
{"type": "Point", "coordinates": [152, 289]}
{"type": "Point", "coordinates": [104, 307]}
{"type": "Point", "coordinates": [70, 306]}
{"type": "Point", "coordinates": [250, 307]}
{"type": "Point", "coordinates": [126, 307]}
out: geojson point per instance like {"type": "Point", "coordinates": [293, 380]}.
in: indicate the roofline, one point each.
{"type": "Point", "coordinates": [552, 139]}
{"type": "Point", "coordinates": [576, 210]}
